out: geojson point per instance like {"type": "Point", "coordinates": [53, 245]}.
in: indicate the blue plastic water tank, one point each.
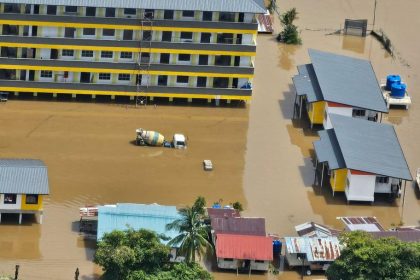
{"type": "Point", "coordinates": [277, 247]}
{"type": "Point", "coordinates": [398, 90]}
{"type": "Point", "coordinates": [391, 79]}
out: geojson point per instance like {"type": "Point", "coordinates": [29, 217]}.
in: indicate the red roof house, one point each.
{"type": "Point", "coordinates": [244, 247]}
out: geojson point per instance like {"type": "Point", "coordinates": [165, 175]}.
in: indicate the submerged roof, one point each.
{"type": "Point", "coordinates": [364, 146]}
{"type": "Point", "coordinates": [245, 226]}
{"type": "Point", "coordinates": [369, 224]}
{"type": "Point", "coordinates": [406, 236]}
{"type": "Point", "coordinates": [340, 79]}
{"type": "Point", "coordinates": [244, 247]}
{"type": "Point", "coordinates": [137, 216]}
{"type": "Point", "coordinates": [222, 212]}
{"type": "Point", "coordinates": [23, 176]}
{"type": "Point", "coordinates": [245, 6]}
{"type": "Point", "coordinates": [311, 229]}
{"type": "Point", "coordinates": [316, 249]}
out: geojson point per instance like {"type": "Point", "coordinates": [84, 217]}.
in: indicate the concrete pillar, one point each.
{"type": "Point", "coordinates": [54, 95]}
{"type": "Point", "coordinates": [20, 218]}
{"type": "Point", "coordinates": [0, 218]}
{"type": "Point", "coordinates": [112, 97]}
{"type": "Point", "coordinates": [151, 98]}
{"type": "Point", "coordinates": [131, 98]}
{"type": "Point", "coordinates": [41, 217]}
{"type": "Point", "coordinates": [16, 93]}
{"type": "Point", "coordinates": [228, 101]}
{"type": "Point", "coordinates": [73, 95]}
{"type": "Point", "coordinates": [217, 102]}
{"type": "Point", "coordinates": [35, 94]}
{"type": "Point", "coordinates": [189, 100]}
{"type": "Point", "coordinates": [209, 100]}
{"type": "Point", "coordinates": [93, 96]}
{"type": "Point", "coordinates": [171, 99]}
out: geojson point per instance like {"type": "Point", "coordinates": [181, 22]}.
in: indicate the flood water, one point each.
{"type": "Point", "coordinates": [261, 156]}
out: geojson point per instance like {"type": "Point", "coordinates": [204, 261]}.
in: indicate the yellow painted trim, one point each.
{"type": "Point", "coordinates": [35, 207]}
{"type": "Point", "coordinates": [123, 71]}
{"type": "Point", "coordinates": [123, 93]}
{"type": "Point", "coordinates": [316, 112]}
{"type": "Point", "coordinates": [132, 27]}
{"type": "Point", "coordinates": [339, 178]}
{"type": "Point", "coordinates": [124, 49]}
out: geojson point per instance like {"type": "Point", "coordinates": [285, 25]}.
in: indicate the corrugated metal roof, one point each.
{"type": "Point", "coordinates": [245, 226]}
{"type": "Point", "coordinates": [244, 247]}
{"type": "Point", "coordinates": [347, 80]}
{"type": "Point", "coordinates": [245, 6]}
{"type": "Point", "coordinates": [369, 224]}
{"type": "Point", "coordinates": [137, 216]}
{"type": "Point", "coordinates": [328, 150]}
{"type": "Point", "coordinates": [306, 83]}
{"type": "Point", "coordinates": [316, 249]}
{"type": "Point", "coordinates": [23, 176]}
{"type": "Point", "coordinates": [406, 236]}
{"type": "Point", "coordinates": [370, 147]}
{"type": "Point", "coordinates": [311, 229]}
{"type": "Point", "coordinates": [222, 213]}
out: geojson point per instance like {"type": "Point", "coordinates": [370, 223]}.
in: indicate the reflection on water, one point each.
{"type": "Point", "coordinates": [354, 43]}
{"type": "Point", "coordinates": [396, 116]}
{"type": "Point", "coordinates": [287, 52]}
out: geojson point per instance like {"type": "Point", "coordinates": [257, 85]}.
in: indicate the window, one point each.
{"type": "Point", "coordinates": [220, 82]}
{"type": "Point", "coordinates": [90, 11]}
{"type": "Point", "coordinates": [184, 57]}
{"type": "Point", "coordinates": [166, 36]}
{"type": "Point", "coordinates": [31, 199]}
{"type": "Point", "coordinates": [223, 16]}
{"type": "Point", "coordinates": [162, 80]}
{"type": "Point", "coordinates": [67, 52]}
{"type": "Point", "coordinates": [228, 260]}
{"type": "Point", "coordinates": [147, 35]}
{"type": "Point", "coordinates": [359, 113]}
{"type": "Point", "coordinates": [145, 57]}
{"type": "Point", "coordinates": [126, 55]}
{"type": "Point", "coordinates": [128, 35]}
{"type": "Point", "coordinates": [382, 180]}
{"type": "Point", "coordinates": [168, 14]}
{"type": "Point", "coordinates": [207, 16]}
{"type": "Point", "coordinates": [87, 53]}
{"type": "Point", "coordinates": [203, 59]}
{"type": "Point", "coordinates": [70, 9]}
{"type": "Point", "coordinates": [182, 79]}
{"type": "Point", "coordinates": [128, 11]}
{"type": "Point", "coordinates": [223, 60]}
{"type": "Point", "coordinates": [11, 8]}
{"type": "Point", "coordinates": [188, 13]}
{"type": "Point", "coordinates": [164, 58]}
{"type": "Point", "coordinates": [124, 77]}
{"type": "Point", "coordinates": [110, 12]}
{"type": "Point", "coordinates": [149, 14]}
{"type": "Point", "coordinates": [89, 31]}
{"type": "Point", "coordinates": [9, 198]}
{"type": "Point", "coordinates": [51, 10]}
{"type": "Point", "coordinates": [46, 74]}
{"type": "Point", "coordinates": [108, 32]}
{"type": "Point", "coordinates": [106, 54]}
{"type": "Point", "coordinates": [104, 76]}
{"type": "Point", "coordinates": [201, 81]}
{"type": "Point", "coordinates": [69, 32]}
{"type": "Point", "coordinates": [186, 35]}
{"type": "Point", "coordinates": [257, 261]}
{"type": "Point", "coordinates": [205, 37]}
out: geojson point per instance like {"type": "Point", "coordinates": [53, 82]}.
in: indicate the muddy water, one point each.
{"type": "Point", "coordinates": [262, 158]}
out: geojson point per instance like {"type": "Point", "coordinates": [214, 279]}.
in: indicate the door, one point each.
{"type": "Point", "coordinates": [31, 75]}
{"type": "Point", "coordinates": [85, 77]}
{"type": "Point", "coordinates": [54, 54]}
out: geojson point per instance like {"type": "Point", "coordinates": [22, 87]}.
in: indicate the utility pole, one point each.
{"type": "Point", "coordinates": [374, 16]}
{"type": "Point", "coordinates": [17, 272]}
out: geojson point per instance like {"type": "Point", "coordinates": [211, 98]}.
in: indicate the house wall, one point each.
{"type": "Point", "coordinates": [234, 264]}
{"type": "Point", "coordinates": [385, 187]}
{"type": "Point", "coordinates": [338, 179]}
{"type": "Point", "coordinates": [360, 187]}
{"type": "Point", "coordinates": [316, 112]}
{"type": "Point", "coordinates": [34, 207]}
{"type": "Point", "coordinates": [344, 111]}
{"type": "Point", "coordinates": [15, 206]}
{"type": "Point", "coordinates": [262, 266]}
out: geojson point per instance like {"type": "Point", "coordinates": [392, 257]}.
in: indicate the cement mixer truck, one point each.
{"type": "Point", "coordinates": [154, 138]}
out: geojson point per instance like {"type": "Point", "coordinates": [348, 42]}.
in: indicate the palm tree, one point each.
{"type": "Point", "coordinates": [193, 235]}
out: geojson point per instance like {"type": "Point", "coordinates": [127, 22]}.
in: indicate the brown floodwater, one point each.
{"type": "Point", "coordinates": [262, 157]}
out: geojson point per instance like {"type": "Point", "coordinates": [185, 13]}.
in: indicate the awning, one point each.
{"type": "Point", "coordinates": [328, 150]}
{"type": "Point", "coordinates": [306, 83]}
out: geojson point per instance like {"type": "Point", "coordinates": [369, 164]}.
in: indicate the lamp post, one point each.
{"type": "Point", "coordinates": [301, 256]}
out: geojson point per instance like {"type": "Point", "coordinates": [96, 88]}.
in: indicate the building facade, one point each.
{"type": "Point", "coordinates": [171, 49]}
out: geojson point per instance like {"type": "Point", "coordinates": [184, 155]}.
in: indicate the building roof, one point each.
{"type": "Point", "coordinates": [137, 216]}
{"type": "Point", "coordinates": [244, 226]}
{"type": "Point", "coordinates": [23, 176]}
{"type": "Point", "coordinates": [369, 224]}
{"type": "Point", "coordinates": [311, 229]}
{"type": "Point", "coordinates": [316, 249]}
{"type": "Point", "coordinates": [406, 236]}
{"type": "Point", "coordinates": [244, 6]}
{"type": "Point", "coordinates": [244, 247]}
{"type": "Point", "coordinates": [222, 213]}
{"type": "Point", "coordinates": [340, 79]}
{"type": "Point", "coordinates": [365, 146]}
{"type": "Point", "coordinates": [328, 150]}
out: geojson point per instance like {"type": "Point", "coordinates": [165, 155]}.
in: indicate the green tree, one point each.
{"type": "Point", "coordinates": [178, 271]}
{"type": "Point", "coordinates": [193, 238]}
{"type": "Point", "coordinates": [290, 33]}
{"type": "Point", "coordinates": [367, 258]}
{"type": "Point", "coordinates": [121, 252]}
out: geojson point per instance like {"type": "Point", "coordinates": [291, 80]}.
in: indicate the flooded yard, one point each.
{"type": "Point", "coordinates": [261, 156]}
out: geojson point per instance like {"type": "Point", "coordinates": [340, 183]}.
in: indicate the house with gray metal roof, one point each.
{"type": "Point", "coordinates": [337, 84]}
{"type": "Point", "coordinates": [362, 158]}
{"type": "Point", "coordinates": [23, 185]}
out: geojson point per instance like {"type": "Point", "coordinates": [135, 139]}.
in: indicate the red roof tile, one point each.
{"type": "Point", "coordinates": [244, 247]}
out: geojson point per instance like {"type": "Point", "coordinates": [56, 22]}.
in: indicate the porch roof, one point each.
{"type": "Point", "coordinates": [306, 83]}
{"type": "Point", "coordinates": [328, 150]}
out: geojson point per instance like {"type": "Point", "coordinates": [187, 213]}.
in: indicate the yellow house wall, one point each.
{"type": "Point", "coordinates": [31, 206]}
{"type": "Point", "coordinates": [316, 112]}
{"type": "Point", "coordinates": [338, 180]}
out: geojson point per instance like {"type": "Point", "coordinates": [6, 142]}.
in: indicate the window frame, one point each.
{"type": "Point", "coordinates": [165, 55]}
{"type": "Point", "coordinates": [46, 74]}
{"type": "Point", "coordinates": [65, 51]}
{"type": "Point", "coordinates": [104, 76]}
{"type": "Point", "coordinates": [54, 12]}
{"type": "Point", "coordinates": [182, 77]}
{"type": "Point", "coordinates": [88, 30]}
{"type": "Point", "coordinates": [123, 57]}
{"type": "Point", "coordinates": [12, 196]}
{"type": "Point", "coordinates": [36, 201]}
{"type": "Point", "coordinates": [129, 11]}
{"type": "Point", "coordinates": [110, 12]}
{"type": "Point", "coordinates": [66, 11]}
{"type": "Point", "coordinates": [107, 54]}
{"type": "Point", "coordinates": [107, 30]}
{"type": "Point", "coordinates": [86, 52]}
{"type": "Point", "coordinates": [124, 76]}
{"type": "Point", "coordinates": [187, 13]}
{"type": "Point", "coordinates": [170, 16]}
{"type": "Point", "coordinates": [183, 57]}
{"type": "Point", "coordinates": [183, 36]}
{"type": "Point", "coordinates": [88, 11]}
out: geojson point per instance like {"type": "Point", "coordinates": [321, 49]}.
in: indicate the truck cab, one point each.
{"type": "Point", "coordinates": [179, 141]}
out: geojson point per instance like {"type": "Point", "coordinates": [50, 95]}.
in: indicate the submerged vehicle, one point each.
{"type": "Point", "coordinates": [156, 139]}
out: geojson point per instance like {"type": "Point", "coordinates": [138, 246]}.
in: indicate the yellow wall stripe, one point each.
{"type": "Point", "coordinates": [122, 71]}
{"type": "Point", "coordinates": [123, 93]}
{"type": "Point", "coordinates": [123, 49]}
{"type": "Point", "coordinates": [133, 27]}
